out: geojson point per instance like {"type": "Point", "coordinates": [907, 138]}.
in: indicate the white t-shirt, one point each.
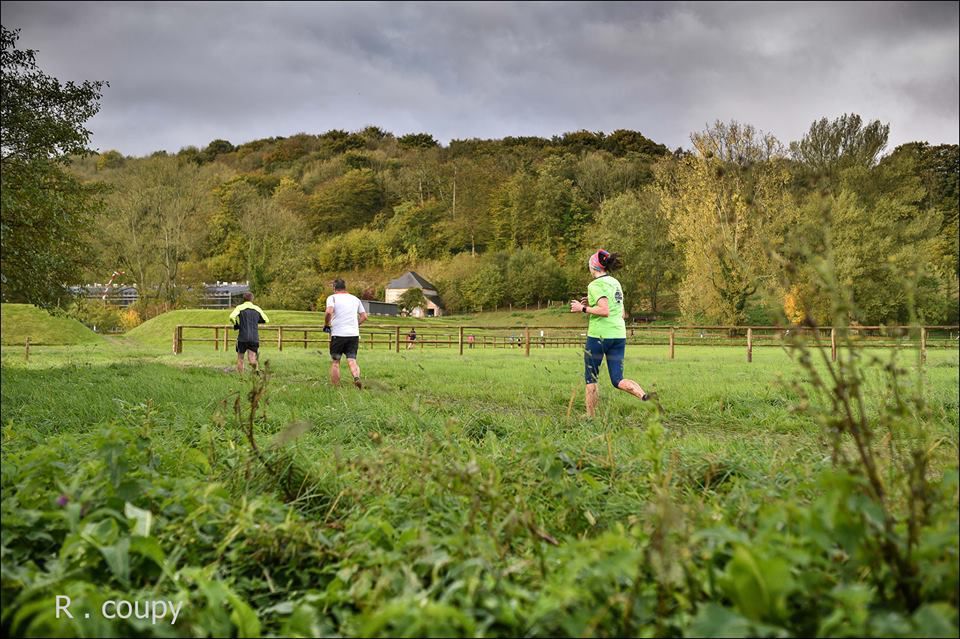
{"type": "Point", "coordinates": [346, 309]}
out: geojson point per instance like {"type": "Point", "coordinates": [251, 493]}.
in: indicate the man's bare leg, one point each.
{"type": "Point", "coordinates": [253, 360]}
{"type": "Point", "coordinates": [240, 362]}
{"type": "Point", "coordinates": [355, 369]}
{"type": "Point", "coordinates": [335, 372]}
{"type": "Point", "coordinates": [633, 388]}
{"type": "Point", "coordinates": [593, 397]}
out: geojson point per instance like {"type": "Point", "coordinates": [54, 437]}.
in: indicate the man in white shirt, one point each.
{"type": "Point", "coordinates": [342, 320]}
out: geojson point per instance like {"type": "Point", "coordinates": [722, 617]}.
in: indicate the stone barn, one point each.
{"type": "Point", "coordinates": [399, 286]}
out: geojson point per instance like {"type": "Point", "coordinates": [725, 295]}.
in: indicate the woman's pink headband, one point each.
{"type": "Point", "coordinates": [595, 260]}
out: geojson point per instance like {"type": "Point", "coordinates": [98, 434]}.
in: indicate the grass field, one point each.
{"type": "Point", "coordinates": [452, 496]}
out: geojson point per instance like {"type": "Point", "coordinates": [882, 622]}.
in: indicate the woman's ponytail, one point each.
{"type": "Point", "coordinates": [609, 261]}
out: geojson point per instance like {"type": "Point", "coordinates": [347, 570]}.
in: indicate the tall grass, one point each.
{"type": "Point", "coordinates": [452, 496]}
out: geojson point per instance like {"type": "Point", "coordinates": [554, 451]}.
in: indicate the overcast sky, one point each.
{"type": "Point", "coordinates": [184, 74]}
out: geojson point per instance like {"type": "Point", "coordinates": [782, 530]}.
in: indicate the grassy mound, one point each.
{"type": "Point", "coordinates": [159, 330]}
{"type": "Point", "coordinates": [20, 321]}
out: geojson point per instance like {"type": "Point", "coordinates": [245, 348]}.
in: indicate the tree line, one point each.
{"type": "Point", "coordinates": [730, 230]}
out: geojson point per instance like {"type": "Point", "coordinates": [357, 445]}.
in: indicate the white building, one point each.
{"type": "Point", "coordinates": [396, 288]}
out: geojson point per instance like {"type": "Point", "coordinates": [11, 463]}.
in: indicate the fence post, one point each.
{"type": "Point", "coordinates": [280, 337]}
{"type": "Point", "coordinates": [671, 342]}
{"type": "Point", "coordinates": [526, 334]}
{"type": "Point", "coordinates": [461, 340]}
{"type": "Point", "coordinates": [398, 339]}
{"type": "Point", "coordinates": [26, 350]}
{"type": "Point", "coordinates": [833, 344]}
{"type": "Point", "coordinates": [225, 333]}
{"type": "Point", "coordinates": [749, 345]}
{"type": "Point", "coordinates": [304, 340]}
{"type": "Point", "coordinates": [216, 338]}
{"type": "Point", "coordinates": [178, 339]}
{"type": "Point", "coordinates": [923, 344]}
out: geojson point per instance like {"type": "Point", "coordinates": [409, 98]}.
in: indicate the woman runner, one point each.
{"type": "Point", "coordinates": [607, 332]}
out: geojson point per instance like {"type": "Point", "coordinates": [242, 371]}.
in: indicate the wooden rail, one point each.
{"type": "Point", "coordinates": [391, 336]}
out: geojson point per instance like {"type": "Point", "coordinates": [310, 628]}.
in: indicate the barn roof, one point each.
{"type": "Point", "coordinates": [411, 280]}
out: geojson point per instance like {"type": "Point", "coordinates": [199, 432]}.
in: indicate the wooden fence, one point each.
{"type": "Point", "coordinates": [533, 337]}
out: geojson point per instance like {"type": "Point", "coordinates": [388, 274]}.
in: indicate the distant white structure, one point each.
{"type": "Point", "coordinates": [396, 288]}
{"type": "Point", "coordinates": [218, 295]}
{"type": "Point", "coordinates": [223, 294]}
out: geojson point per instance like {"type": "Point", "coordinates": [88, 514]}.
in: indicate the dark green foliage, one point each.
{"type": "Point", "coordinates": [216, 148]}
{"type": "Point", "coordinates": [532, 277]}
{"type": "Point", "coordinates": [411, 300]}
{"type": "Point", "coordinates": [846, 142]}
{"type": "Point", "coordinates": [417, 141]}
{"type": "Point", "coordinates": [431, 519]}
{"type": "Point", "coordinates": [350, 201]}
{"type": "Point", "coordinates": [45, 210]}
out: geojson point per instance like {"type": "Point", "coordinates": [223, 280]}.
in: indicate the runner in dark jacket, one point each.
{"type": "Point", "coordinates": [245, 319]}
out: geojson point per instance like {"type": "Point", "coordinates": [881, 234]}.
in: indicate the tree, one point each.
{"type": "Point", "coordinates": [843, 143]}
{"type": "Point", "coordinates": [417, 141]}
{"type": "Point", "coordinates": [887, 241]}
{"type": "Point", "coordinates": [727, 206]}
{"type": "Point", "coordinates": [215, 148]}
{"type": "Point", "coordinates": [349, 201]}
{"type": "Point", "coordinates": [467, 227]}
{"type": "Point", "coordinates": [110, 160]}
{"type": "Point", "coordinates": [633, 226]}
{"type": "Point", "coordinates": [486, 288]}
{"type": "Point", "coordinates": [559, 212]}
{"type": "Point", "coordinates": [411, 300]}
{"type": "Point", "coordinates": [532, 276]}
{"type": "Point", "coordinates": [512, 211]}
{"type": "Point", "coordinates": [155, 220]}
{"type": "Point", "coordinates": [884, 238]}
{"type": "Point", "coordinates": [44, 211]}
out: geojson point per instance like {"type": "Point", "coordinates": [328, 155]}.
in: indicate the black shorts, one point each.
{"type": "Point", "coordinates": [242, 347]}
{"type": "Point", "coordinates": [344, 346]}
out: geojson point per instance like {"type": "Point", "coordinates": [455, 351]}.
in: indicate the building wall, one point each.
{"type": "Point", "coordinates": [422, 311]}
{"type": "Point", "coordinates": [373, 307]}
{"type": "Point", "coordinates": [391, 295]}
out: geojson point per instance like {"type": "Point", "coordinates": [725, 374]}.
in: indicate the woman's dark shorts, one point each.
{"type": "Point", "coordinates": [594, 352]}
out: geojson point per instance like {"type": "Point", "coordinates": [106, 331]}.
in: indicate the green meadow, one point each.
{"type": "Point", "coordinates": [454, 495]}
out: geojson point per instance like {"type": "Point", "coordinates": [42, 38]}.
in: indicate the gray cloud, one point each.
{"type": "Point", "coordinates": [183, 74]}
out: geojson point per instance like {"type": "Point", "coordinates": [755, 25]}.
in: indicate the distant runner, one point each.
{"type": "Point", "coordinates": [342, 320]}
{"type": "Point", "coordinates": [607, 332]}
{"type": "Point", "coordinates": [411, 338]}
{"type": "Point", "coordinates": [245, 319]}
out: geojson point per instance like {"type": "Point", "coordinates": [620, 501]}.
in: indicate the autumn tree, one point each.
{"type": "Point", "coordinates": [727, 205]}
